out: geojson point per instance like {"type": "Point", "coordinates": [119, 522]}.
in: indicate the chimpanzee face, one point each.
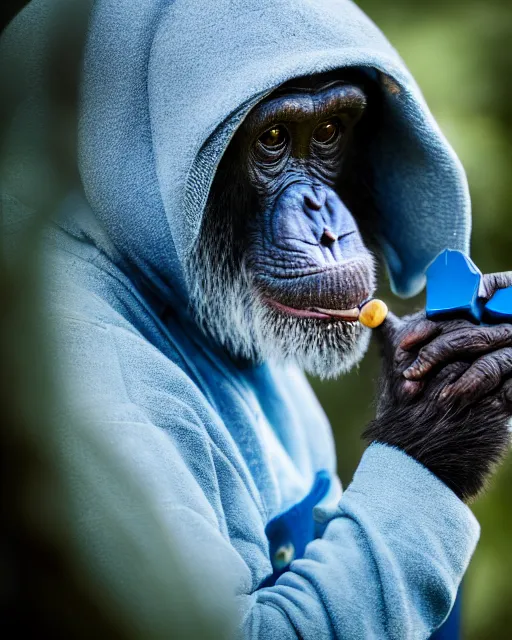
{"type": "Point", "coordinates": [281, 265]}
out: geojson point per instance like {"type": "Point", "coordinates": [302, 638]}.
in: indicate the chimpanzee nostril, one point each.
{"type": "Point", "coordinates": [312, 203]}
{"type": "Point", "coordinates": [315, 199]}
{"type": "Point", "coordinates": [328, 238]}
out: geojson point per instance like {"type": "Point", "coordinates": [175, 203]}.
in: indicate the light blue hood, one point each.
{"type": "Point", "coordinates": [167, 83]}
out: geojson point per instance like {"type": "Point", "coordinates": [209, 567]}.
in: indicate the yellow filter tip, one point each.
{"type": "Point", "coordinates": [373, 313]}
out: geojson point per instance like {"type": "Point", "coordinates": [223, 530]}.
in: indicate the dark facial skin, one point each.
{"type": "Point", "coordinates": [289, 219]}
{"type": "Point", "coordinates": [307, 241]}
{"type": "Point", "coordinates": [279, 246]}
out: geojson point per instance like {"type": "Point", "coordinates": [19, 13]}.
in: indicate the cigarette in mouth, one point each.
{"type": "Point", "coordinates": [371, 313]}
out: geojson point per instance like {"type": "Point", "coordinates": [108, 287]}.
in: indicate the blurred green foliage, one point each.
{"type": "Point", "coordinates": [461, 55]}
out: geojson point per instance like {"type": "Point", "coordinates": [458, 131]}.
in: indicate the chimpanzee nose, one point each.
{"type": "Point", "coordinates": [315, 198]}
{"type": "Point", "coordinates": [311, 220]}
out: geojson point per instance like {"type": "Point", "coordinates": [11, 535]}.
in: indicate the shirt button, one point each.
{"type": "Point", "coordinates": [283, 556]}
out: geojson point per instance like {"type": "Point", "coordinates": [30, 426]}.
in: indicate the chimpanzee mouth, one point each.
{"type": "Point", "coordinates": [346, 315]}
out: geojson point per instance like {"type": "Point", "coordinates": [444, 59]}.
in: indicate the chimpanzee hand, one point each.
{"type": "Point", "coordinates": [452, 410]}
{"type": "Point", "coordinates": [458, 340]}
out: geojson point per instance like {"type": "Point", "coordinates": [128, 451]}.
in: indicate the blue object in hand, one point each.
{"type": "Point", "coordinates": [453, 281]}
{"type": "Point", "coordinates": [499, 307]}
{"type": "Point", "coordinates": [453, 284]}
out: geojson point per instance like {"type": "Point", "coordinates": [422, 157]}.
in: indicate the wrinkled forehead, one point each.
{"type": "Point", "coordinates": [308, 97]}
{"type": "Point", "coordinates": [320, 81]}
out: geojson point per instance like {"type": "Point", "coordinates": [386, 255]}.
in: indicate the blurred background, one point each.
{"type": "Point", "coordinates": [460, 53]}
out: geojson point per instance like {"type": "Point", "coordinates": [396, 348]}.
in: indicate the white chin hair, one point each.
{"type": "Point", "coordinates": [231, 312]}
{"type": "Point", "coordinates": [322, 348]}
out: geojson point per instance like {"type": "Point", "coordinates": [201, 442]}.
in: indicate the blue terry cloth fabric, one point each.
{"type": "Point", "coordinates": [220, 447]}
{"type": "Point", "coordinates": [170, 81]}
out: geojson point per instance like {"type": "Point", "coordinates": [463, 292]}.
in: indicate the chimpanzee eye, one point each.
{"type": "Point", "coordinates": [274, 137]}
{"type": "Point", "coordinates": [326, 131]}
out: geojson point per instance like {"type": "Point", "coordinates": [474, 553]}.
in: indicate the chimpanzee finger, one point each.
{"type": "Point", "coordinates": [458, 345]}
{"type": "Point", "coordinates": [491, 282]}
{"type": "Point", "coordinates": [420, 332]}
{"type": "Point", "coordinates": [408, 390]}
{"type": "Point", "coordinates": [483, 376]}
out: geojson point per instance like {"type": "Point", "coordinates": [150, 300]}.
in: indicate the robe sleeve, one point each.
{"type": "Point", "coordinates": [388, 566]}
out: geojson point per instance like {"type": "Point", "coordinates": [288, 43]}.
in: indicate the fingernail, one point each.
{"type": "Point", "coordinates": [412, 372]}
{"type": "Point", "coordinates": [445, 393]}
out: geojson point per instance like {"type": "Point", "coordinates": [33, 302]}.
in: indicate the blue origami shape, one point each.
{"type": "Point", "coordinates": [499, 307]}
{"type": "Point", "coordinates": [453, 282]}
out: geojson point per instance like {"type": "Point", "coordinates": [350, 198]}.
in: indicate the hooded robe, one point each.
{"type": "Point", "coordinates": [238, 459]}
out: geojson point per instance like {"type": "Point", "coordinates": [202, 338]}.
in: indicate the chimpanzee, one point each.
{"type": "Point", "coordinates": [295, 262]}
{"type": "Point", "coordinates": [244, 169]}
